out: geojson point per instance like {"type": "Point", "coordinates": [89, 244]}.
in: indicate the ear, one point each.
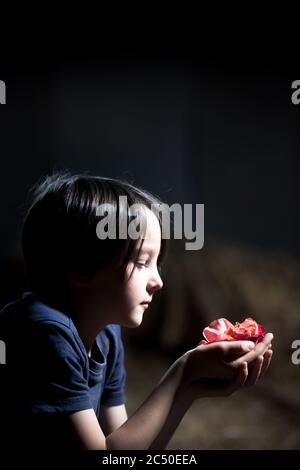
{"type": "Point", "coordinates": [77, 279]}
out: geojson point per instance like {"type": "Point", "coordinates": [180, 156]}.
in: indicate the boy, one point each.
{"type": "Point", "coordinates": [63, 385]}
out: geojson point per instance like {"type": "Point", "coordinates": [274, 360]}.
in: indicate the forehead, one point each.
{"type": "Point", "coordinates": [152, 236]}
{"type": "Point", "coordinates": [153, 231]}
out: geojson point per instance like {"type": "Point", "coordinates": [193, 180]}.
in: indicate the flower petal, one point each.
{"type": "Point", "coordinates": [217, 329]}
{"type": "Point", "coordinates": [223, 330]}
{"type": "Point", "coordinates": [250, 325]}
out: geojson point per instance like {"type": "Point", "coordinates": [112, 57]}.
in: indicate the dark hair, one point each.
{"type": "Point", "coordinates": [59, 231]}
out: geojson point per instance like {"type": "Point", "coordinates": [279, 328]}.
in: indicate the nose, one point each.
{"type": "Point", "coordinates": [155, 282]}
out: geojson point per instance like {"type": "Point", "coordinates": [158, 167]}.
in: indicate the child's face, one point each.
{"type": "Point", "coordinates": [143, 278]}
{"type": "Point", "coordinates": [124, 303]}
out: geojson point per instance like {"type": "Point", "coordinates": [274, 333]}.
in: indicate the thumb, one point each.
{"type": "Point", "coordinates": [237, 347]}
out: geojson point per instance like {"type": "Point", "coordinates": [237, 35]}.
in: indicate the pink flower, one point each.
{"type": "Point", "coordinates": [223, 330]}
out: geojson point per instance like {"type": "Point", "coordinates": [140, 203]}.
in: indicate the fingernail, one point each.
{"type": "Point", "coordinates": [249, 345]}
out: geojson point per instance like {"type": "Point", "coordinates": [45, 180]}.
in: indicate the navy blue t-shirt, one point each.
{"type": "Point", "coordinates": [48, 371]}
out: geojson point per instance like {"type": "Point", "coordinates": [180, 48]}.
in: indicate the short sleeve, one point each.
{"type": "Point", "coordinates": [114, 388]}
{"type": "Point", "coordinates": [58, 374]}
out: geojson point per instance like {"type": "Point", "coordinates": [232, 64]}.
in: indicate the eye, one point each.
{"type": "Point", "coordinates": [142, 264]}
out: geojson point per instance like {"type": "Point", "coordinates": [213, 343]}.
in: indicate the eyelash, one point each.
{"type": "Point", "coordinates": [142, 265]}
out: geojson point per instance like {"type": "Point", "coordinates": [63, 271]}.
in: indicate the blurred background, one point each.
{"type": "Point", "coordinates": [191, 129]}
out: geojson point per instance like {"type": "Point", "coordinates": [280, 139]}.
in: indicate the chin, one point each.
{"type": "Point", "coordinates": [134, 323]}
{"type": "Point", "coordinates": [135, 320]}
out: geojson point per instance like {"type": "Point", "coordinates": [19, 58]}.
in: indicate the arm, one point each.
{"type": "Point", "coordinates": [140, 430]}
{"type": "Point", "coordinates": [112, 417]}
{"type": "Point", "coordinates": [180, 406]}
{"type": "Point", "coordinates": [185, 398]}
{"type": "Point", "coordinates": [159, 416]}
{"type": "Point", "coordinates": [190, 377]}
{"type": "Point", "coordinates": [151, 426]}
{"type": "Point", "coordinates": [88, 434]}
{"type": "Point", "coordinates": [259, 360]}
{"type": "Point", "coordinates": [145, 424]}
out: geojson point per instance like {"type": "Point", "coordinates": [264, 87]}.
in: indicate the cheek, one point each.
{"type": "Point", "coordinates": [136, 288]}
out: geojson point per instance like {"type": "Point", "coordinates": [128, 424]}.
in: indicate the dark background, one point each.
{"type": "Point", "coordinates": [189, 130]}
{"type": "Point", "coordinates": [190, 127]}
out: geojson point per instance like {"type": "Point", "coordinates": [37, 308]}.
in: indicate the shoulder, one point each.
{"type": "Point", "coordinates": [31, 323]}
{"type": "Point", "coordinates": [30, 309]}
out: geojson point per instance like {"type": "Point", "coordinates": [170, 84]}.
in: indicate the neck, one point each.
{"type": "Point", "coordinates": [88, 320]}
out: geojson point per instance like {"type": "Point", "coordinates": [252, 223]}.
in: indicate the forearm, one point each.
{"type": "Point", "coordinates": [180, 406]}
{"type": "Point", "coordinates": [157, 418]}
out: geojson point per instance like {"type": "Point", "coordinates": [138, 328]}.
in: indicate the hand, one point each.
{"type": "Point", "coordinates": [258, 368]}
{"type": "Point", "coordinates": [221, 368]}
{"type": "Point", "coordinates": [258, 360]}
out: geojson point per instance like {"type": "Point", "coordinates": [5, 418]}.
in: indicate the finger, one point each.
{"type": "Point", "coordinates": [240, 380]}
{"type": "Point", "coordinates": [213, 388]}
{"type": "Point", "coordinates": [259, 350]}
{"type": "Point", "coordinates": [255, 371]}
{"type": "Point", "coordinates": [237, 347]}
{"type": "Point", "coordinates": [267, 360]}
{"type": "Point", "coordinates": [229, 348]}
{"type": "Point", "coordinates": [267, 340]}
